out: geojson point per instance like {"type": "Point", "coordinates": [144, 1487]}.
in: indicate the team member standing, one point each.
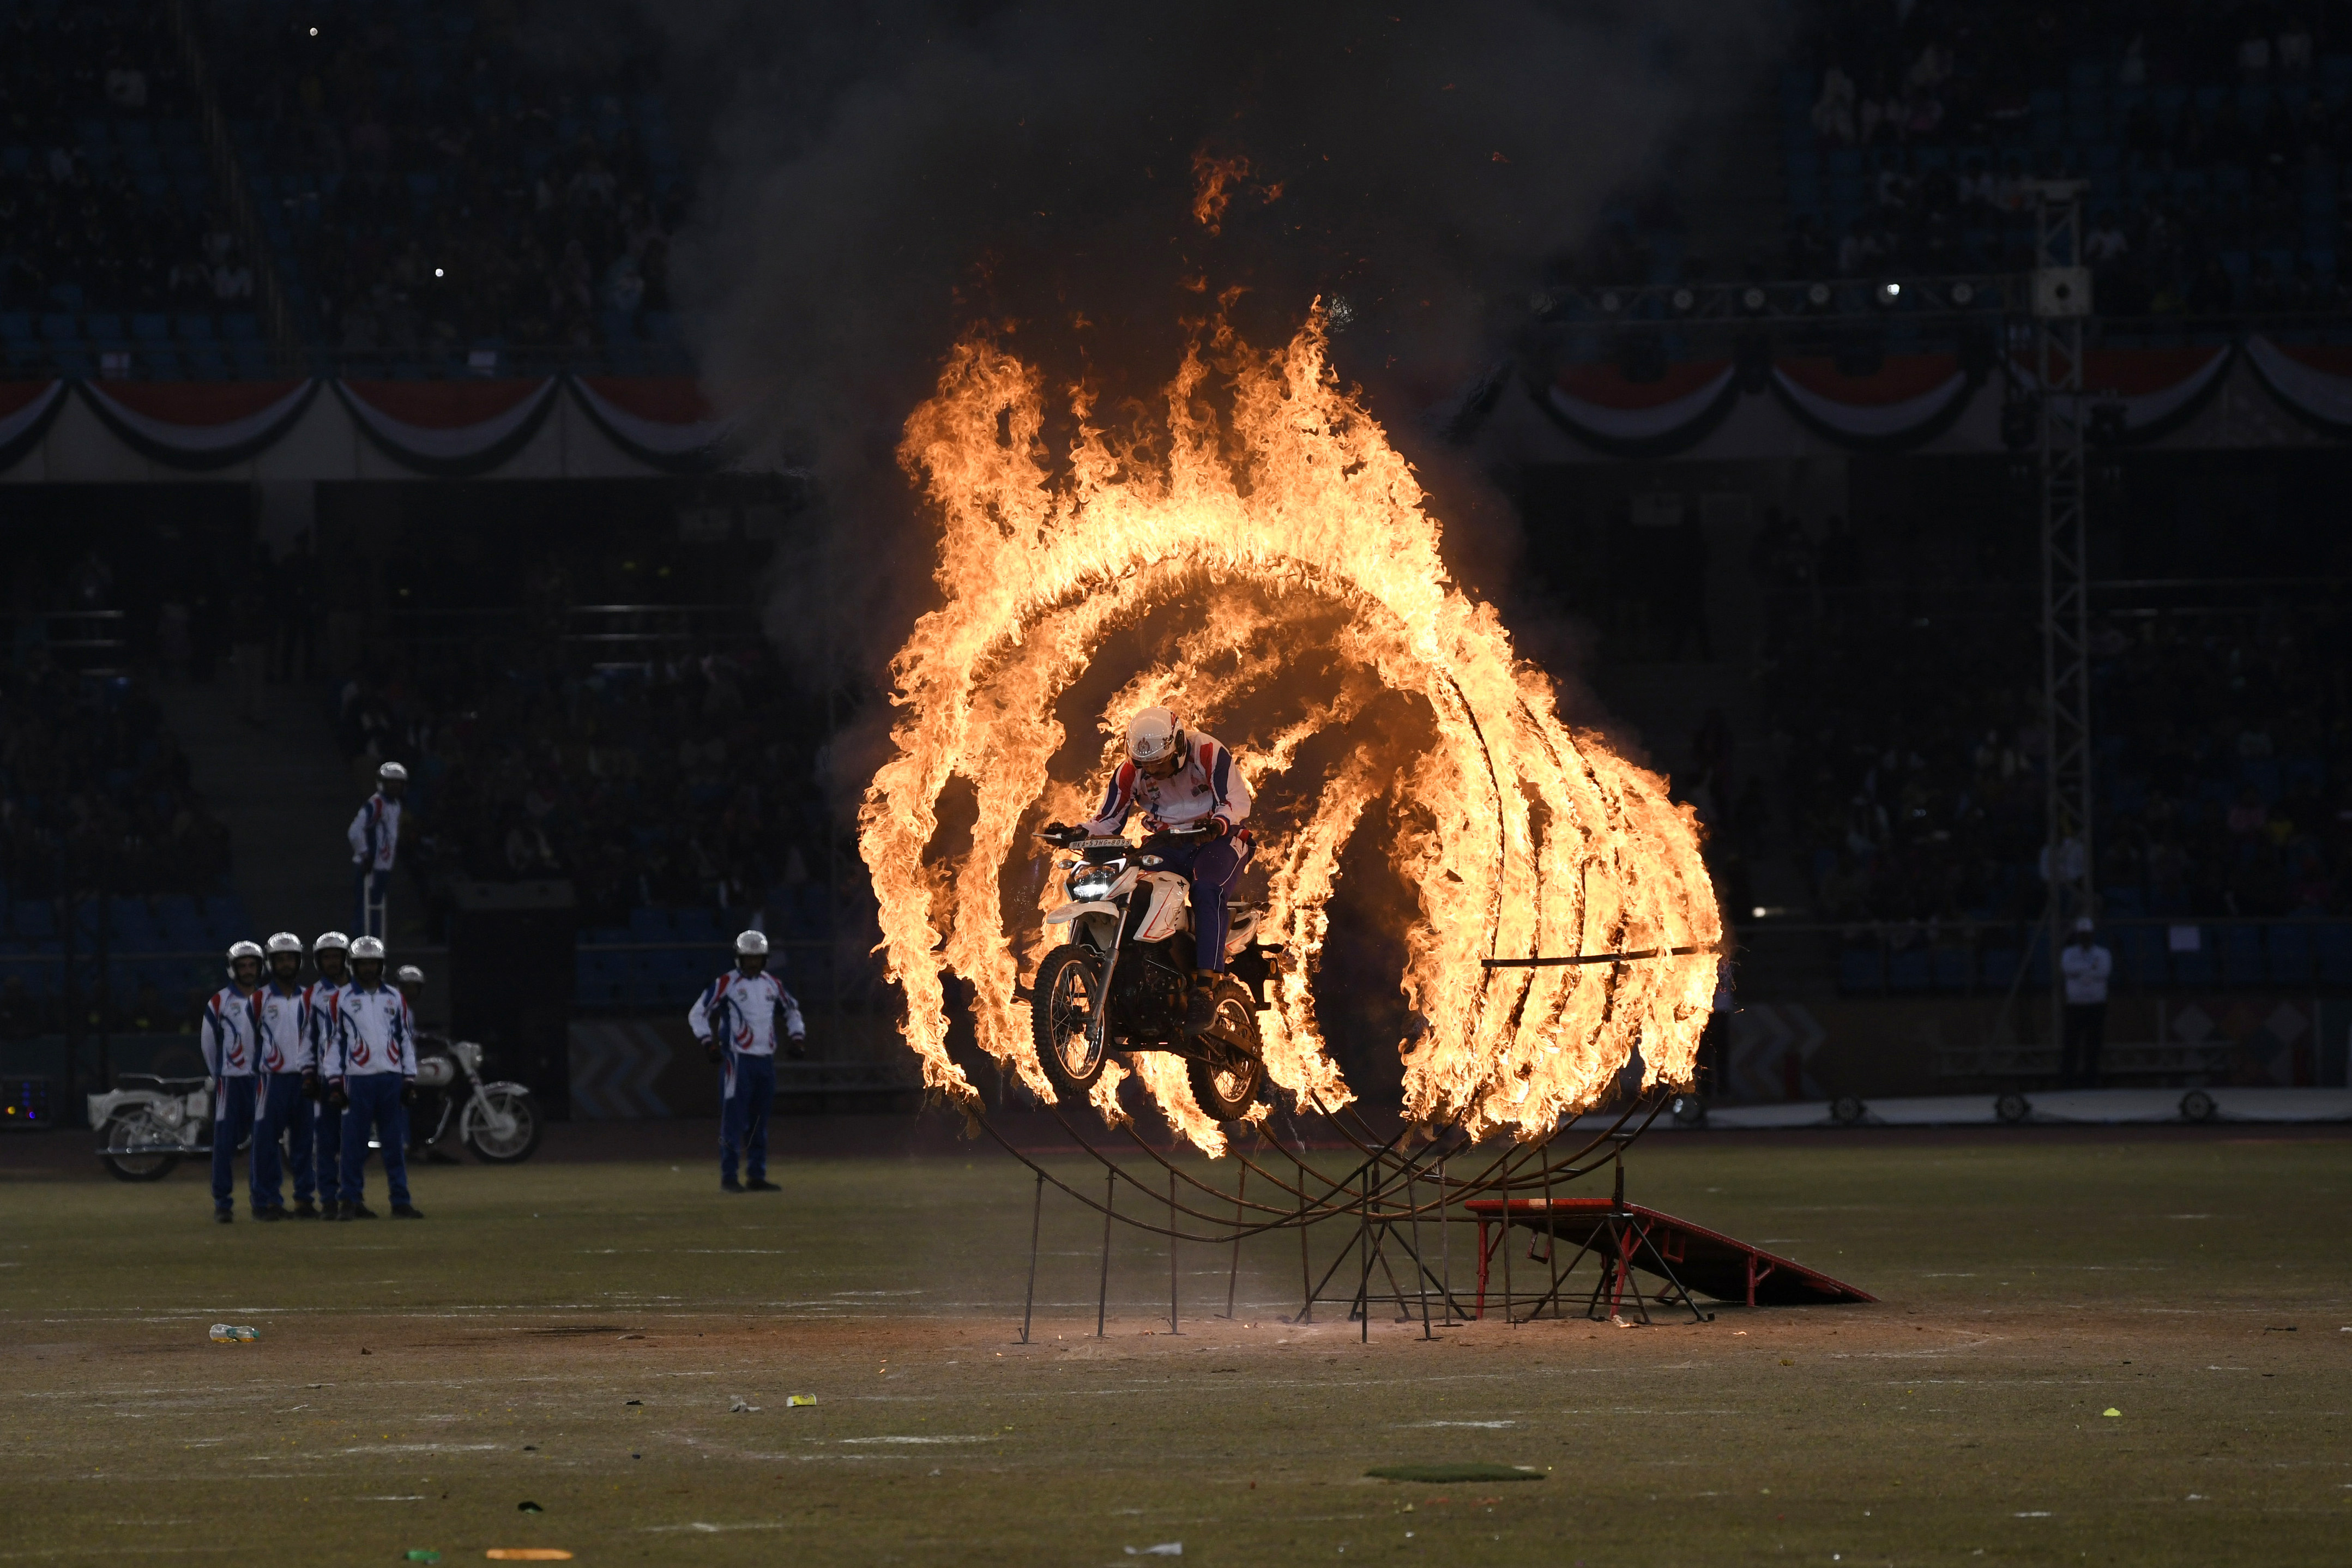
{"type": "Point", "coordinates": [374, 1064]}
{"type": "Point", "coordinates": [374, 835]}
{"type": "Point", "coordinates": [227, 1043]}
{"type": "Point", "coordinates": [736, 1020]}
{"type": "Point", "coordinates": [288, 1085]}
{"type": "Point", "coordinates": [2086, 968]}
{"type": "Point", "coordinates": [320, 1000]}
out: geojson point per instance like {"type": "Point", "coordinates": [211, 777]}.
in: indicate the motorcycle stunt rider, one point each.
{"type": "Point", "coordinates": [288, 1080]}
{"type": "Point", "coordinates": [736, 1020]}
{"type": "Point", "coordinates": [229, 1050]}
{"type": "Point", "coordinates": [1183, 779]}
{"type": "Point", "coordinates": [374, 836]}
{"type": "Point", "coordinates": [373, 1069]}
{"type": "Point", "coordinates": [320, 1000]}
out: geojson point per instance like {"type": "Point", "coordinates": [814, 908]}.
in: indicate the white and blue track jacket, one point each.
{"type": "Point", "coordinates": [226, 1038]}
{"type": "Point", "coordinates": [320, 1001]}
{"type": "Point", "coordinates": [1208, 784]}
{"type": "Point", "coordinates": [374, 833]}
{"type": "Point", "coordinates": [374, 1033]}
{"type": "Point", "coordinates": [740, 1011]}
{"type": "Point", "coordinates": [280, 1032]}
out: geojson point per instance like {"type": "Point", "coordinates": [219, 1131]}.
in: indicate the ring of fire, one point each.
{"type": "Point", "coordinates": [1286, 512]}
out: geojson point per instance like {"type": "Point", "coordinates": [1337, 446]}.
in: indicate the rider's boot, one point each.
{"type": "Point", "coordinates": [1202, 1011]}
{"type": "Point", "coordinates": [305, 1209]}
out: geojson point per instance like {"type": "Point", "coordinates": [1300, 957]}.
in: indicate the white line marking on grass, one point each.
{"type": "Point", "coordinates": [699, 1527]}
{"type": "Point", "coordinates": [979, 1439]}
{"type": "Point", "coordinates": [426, 1448]}
{"type": "Point", "coordinates": [1486, 1423]}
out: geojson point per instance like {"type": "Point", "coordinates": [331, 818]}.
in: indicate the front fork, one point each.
{"type": "Point", "coordinates": [1130, 916]}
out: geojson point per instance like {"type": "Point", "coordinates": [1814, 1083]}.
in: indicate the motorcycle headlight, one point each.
{"type": "Point", "coordinates": [1093, 882]}
{"type": "Point", "coordinates": [170, 1112]}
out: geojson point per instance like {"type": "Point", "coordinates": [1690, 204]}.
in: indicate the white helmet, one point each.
{"type": "Point", "coordinates": [334, 939]}
{"type": "Point", "coordinates": [1152, 734]}
{"type": "Point", "coordinates": [367, 947]}
{"type": "Point", "coordinates": [237, 950]}
{"type": "Point", "coordinates": [410, 974]}
{"type": "Point", "coordinates": [751, 944]}
{"type": "Point", "coordinates": [392, 773]}
{"type": "Point", "coordinates": [284, 942]}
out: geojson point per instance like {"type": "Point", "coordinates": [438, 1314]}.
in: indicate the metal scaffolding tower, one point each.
{"type": "Point", "coordinates": [2061, 302]}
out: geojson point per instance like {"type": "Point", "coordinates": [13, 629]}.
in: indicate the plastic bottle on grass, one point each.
{"type": "Point", "coordinates": [234, 1333]}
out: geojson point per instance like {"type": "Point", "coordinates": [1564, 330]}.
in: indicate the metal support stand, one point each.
{"type": "Point", "coordinates": [1233, 1273]}
{"type": "Point", "coordinates": [1172, 1254]}
{"type": "Point", "coordinates": [2060, 303]}
{"type": "Point", "coordinates": [1110, 1201]}
{"type": "Point", "coordinates": [1036, 1214]}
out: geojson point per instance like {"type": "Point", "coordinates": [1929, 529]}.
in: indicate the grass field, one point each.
{"type": "Point", "coordinates": [573, 1335]}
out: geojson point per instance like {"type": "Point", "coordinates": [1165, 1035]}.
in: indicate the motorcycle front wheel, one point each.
{"type": "Point", "coordinates": [135, 1149]}
{"type": "Point", "coordinates": [505, 1131]}
{"type": "Point", "coordinates": [1061, 1021]}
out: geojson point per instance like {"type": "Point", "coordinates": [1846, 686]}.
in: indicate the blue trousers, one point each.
{"type": "Point", "coordinates": [327, 1146]}
{"type": "Point", "coordinates": [232, 1119]}
{"type": "Point", "coordinates": [749, 1085]}
{"type": "Point", "coordinates": [1214, 865]}
{"type": "Point", "coordinates": [375, 1106]}
{"type": "Point", "coordinates": [281, 1110]}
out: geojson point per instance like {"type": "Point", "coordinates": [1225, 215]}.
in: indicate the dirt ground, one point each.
{"type": "Point", "coordinates": [575, 1335]}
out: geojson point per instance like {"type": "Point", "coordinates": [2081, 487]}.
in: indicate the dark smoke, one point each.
{"type": "Point", "coordinates": [876, 179]}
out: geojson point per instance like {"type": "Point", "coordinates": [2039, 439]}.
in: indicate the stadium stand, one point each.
{"type": "Point", "coordinates": [436, 199]}
{"type": "Point", "coordinates": [2214, 138]}
{"type": "Point", "coordinates": [111, 240]}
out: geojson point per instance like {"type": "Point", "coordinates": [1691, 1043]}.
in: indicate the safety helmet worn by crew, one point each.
{"type": "Point", "coordinates": [1154, 736]}
{"type": "Point", "coordinates": [238, 951]}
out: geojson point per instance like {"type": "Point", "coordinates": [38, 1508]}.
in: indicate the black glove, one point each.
{"type": "Point", "coordinates": [1215, 826]}
{"type": "Point", "coordinates": [337, 1096]}
{"type": "Point", "coordinates": [408, 1092]}
{"type": "Point", "coordinates": [311, 1089]}
{"type": "Point", "coordinates": [1059, 833]}
{"type": "Point", "coordinates": [796, 1048]}
{"type": "Point", "coordinates": [710, 1049]}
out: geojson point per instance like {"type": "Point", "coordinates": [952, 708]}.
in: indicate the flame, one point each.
{"type": "Point", "coordinates": [1284, 547]}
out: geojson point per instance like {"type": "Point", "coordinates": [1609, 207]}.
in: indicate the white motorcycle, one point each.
{"type": "Point", "coordinates": [143, 1133]}
{"type": "Point", "coordinates": [499, 1123]}
{"type": "Point", "coordinates": [1122, 981]}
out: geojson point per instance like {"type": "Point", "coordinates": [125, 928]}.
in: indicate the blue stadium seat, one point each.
{"type": "Point", "coordinates": [2332, 945]}
{"type": "Point", "coordinates": [2289, 955]}
{"type": "Point", "coordinates": [2140, 955]}
{"type": "Point", "coordinates": [649, 924]}
{"type": "Point", "coordinates": [1955, 968]}
{"type": "Point", "coordinates": [193, 327]}
{"type": "Point", "coordinates": [1859, 969]}
{"type": "Point", "coordinates": [2241, 955]}
{"type": "Point", "coordinates": [1909, 970]}
{"type": "Point", "coordinates": [151, 328]}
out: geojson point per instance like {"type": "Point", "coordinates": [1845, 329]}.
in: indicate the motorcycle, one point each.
{"type": "Point", "coordinates": [145, 1132]}
{"type": "Point", "coordinates": [1121, 981]}
{"type": "Point", "coordinates": [499, 1123]}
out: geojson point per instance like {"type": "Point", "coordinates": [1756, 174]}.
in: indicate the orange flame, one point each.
{"type": "Point", "coordinates": [1296, 538]}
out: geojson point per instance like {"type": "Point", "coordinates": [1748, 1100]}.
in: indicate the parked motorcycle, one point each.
{"type": "Point", "coordinates": [144, 1132]}
{"type": "Point", "coordinates": [499, 1123]}
{"type": "Point", "coordinates": [1121, 982]}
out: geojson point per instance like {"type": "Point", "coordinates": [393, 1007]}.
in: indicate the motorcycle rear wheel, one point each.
{"type": "Point", "coordinates": [1225, 1090]}
{"type": "Point", "coordinates": [491, 1147]}
{"type": "Point", "coordinates": [131, 1155]}
{"type": "Point", "coordinates": [1061, 1020]}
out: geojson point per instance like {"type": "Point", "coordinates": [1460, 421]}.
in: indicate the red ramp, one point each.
{"type": "Point", "coordinates": [1624, 1236]}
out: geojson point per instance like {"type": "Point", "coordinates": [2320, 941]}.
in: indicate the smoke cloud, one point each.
{"type": "Point", "coordinates": [875, 180]}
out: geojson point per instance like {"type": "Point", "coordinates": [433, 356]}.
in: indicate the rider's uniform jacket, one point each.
{"type": "Point", "coordinates": [280, 1027]}
{"type": "Point", "coordinates": [745, 1007]}
{"type": "Point", "coordinates": [226, 1038]}
{"type": "Point", "coordinates": [1208, 784]}
{"type": "Point", "coordinates": [373, 1032]}
{"type": "Point", "coordinates": [320, 1001]}
{"type": "Point", "coordinates": [374, 833]}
